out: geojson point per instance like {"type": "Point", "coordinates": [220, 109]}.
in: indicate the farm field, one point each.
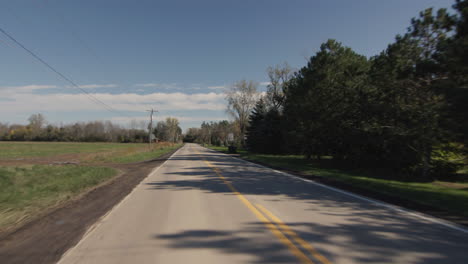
{"type": "Point", "coordinates": [30, 152]}
{"type": "Point", "coordinates": [35, 176]}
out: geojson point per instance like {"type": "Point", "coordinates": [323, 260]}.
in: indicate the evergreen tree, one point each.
{"type": "Point", "coordinates": [323, 104]}
{"type": "Point", "coordinates": [255, 137]}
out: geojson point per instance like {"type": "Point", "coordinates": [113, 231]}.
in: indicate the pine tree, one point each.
{"type": "Point", "coordinates": [255, 137]}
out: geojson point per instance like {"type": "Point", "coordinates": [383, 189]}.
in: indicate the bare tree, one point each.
{"type": "Point", "coordinates": [173, 129]}
{"type": "Point", "coordinates": [241, 98]}
{"type": "Point", "coordinates": [279, 76]}
{"type": "Point", "coordinates": [36, 122]}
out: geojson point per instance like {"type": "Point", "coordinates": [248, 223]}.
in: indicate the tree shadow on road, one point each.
{"type": "Point", "coordinates": [230, 242]}
{"type": "Point", "coordinates": [369, 232]}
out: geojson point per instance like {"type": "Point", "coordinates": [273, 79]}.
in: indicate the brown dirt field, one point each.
{"type": "Point", "coordinates": [46, 238]}
{"type": "Point", "coordinates": [41, 160]}
{"type": "Point", "coordinates": [78, 158]}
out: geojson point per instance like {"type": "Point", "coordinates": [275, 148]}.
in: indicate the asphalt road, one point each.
{"type": "Point", "coordinates": [201, 206]}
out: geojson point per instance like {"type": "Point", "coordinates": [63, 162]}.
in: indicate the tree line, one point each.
{"type": "Point", "coordinates": [404, 109]}
{"type": "Point", "coordinates": [213, 133]}
{"type": "Point", "coordinates": [94, 131]}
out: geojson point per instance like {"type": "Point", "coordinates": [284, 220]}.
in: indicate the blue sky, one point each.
{"type": "Point", "coordinates": [175, 56]}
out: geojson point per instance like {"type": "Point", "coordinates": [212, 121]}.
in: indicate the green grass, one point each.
{"type": "Point", "coordinates": [15, 150]}
{"type": "Point", "coordinates": [26, 190]}
{"type": "Point", "coordinates": [29, 189]}
{"type": "Point", "coordinates": [217, 148]}
{"type": "Point", "coordinates": [451, 196]}
{"type": "Point", "coordinates": [225, 149]}
{"type": "Point", "coordinates": [86, 153]}
{"type": "Point", "coordinates": [143, 155]}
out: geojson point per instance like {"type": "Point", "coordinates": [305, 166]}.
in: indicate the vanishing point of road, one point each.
{"type": "Point", "coordinates": [202, 206]}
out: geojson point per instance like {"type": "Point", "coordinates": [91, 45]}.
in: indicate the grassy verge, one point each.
{"type": "Point", "coordinates": [156, 152]}
{"type": "Point", "coordinates": [217, 148]}
{"type": "Point", "coordinates": [29, 189]}
{"type": "Point", "coordinates": [450, 196]}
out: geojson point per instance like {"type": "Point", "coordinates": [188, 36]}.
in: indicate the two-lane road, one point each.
{"type": "Point", "coordinates": [201, 206]}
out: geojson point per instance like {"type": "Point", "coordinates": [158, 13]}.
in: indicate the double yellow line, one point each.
{"type": "Point", "coordinates": [275, 225]}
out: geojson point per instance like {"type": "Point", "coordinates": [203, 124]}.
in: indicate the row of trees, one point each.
{"type": "Point", "coordinates": [94, 131]}
{"type": "Point", "coordinates": [213, 133]}
{"type": "Point", "coordinates": [399, 109]}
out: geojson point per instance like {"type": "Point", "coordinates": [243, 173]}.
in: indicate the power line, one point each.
{"type": "Point", "coordinates": [73, 32]}
{"type": "Point", "coordinates": [70, 29]}
{"type": "Point", "coordinates": [92, 98]}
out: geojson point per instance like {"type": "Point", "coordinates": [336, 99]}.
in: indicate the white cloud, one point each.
{"type": "Point", "coordinates": [264, 83]}
{"type": "Point", "coordinates": [25, 88]}
{"type": "Point", "coordinates": [147, 85]}
{"type": "Point", "coordinates": [124, 119]}
{"type": "Point", "coordinates": [94, 86]}
{"type": "Point", "coordinates": [217, 87]}
{"type": "Point", "coordinates": [159, 86]}
{"type": "Point", "coordinates": [8, 90]}
{"type": "Point", "coordinates": [30, 102]}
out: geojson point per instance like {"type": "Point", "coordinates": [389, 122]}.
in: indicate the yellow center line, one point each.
{"type": "Point", "coordinates": [294, 250]}
{"type": "Point", "coordinates": [288, 231]}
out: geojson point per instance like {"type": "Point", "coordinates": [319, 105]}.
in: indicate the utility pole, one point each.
{"type": "Point", "coordinates": [150, 127]}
